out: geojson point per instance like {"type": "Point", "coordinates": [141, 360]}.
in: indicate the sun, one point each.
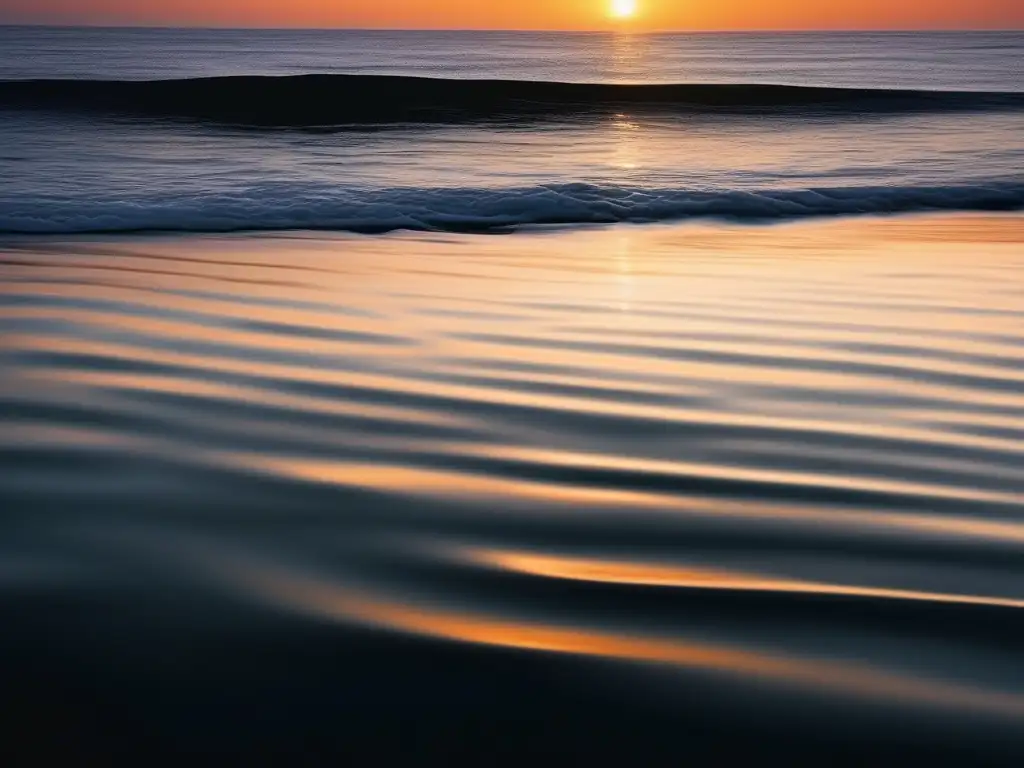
{"type": "Point", "coordinates": [622, 9]}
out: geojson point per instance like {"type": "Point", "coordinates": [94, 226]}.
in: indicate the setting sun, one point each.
{"type": "Point", "coordinates": [622, 9]}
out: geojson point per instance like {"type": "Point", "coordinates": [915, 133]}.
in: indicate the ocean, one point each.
{"type": "Point", "coordinates": [606, 156]}
{"type": "Point", "coordinates": [468, 398]}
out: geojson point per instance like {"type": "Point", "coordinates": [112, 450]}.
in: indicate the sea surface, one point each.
{"type": "Point", "coordinates": [603, 399]}
{"type": "Point", "coordinates": [377, 153]}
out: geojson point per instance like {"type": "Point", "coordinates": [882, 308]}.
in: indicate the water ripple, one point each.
{"type": "Point", "coordinates": [783, 459]}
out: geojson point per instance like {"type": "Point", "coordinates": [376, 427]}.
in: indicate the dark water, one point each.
{"type": "Point", "coordinates": [701, 493]}
{"type": "Point", "coordinates": [630, 496]}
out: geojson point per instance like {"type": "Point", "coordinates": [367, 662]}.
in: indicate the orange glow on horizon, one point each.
{"type": "Point", "coordinates": [529, 14]}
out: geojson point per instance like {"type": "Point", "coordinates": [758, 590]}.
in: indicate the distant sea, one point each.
{"type": "Point", "coordinates": [770, 154]}
{"type": "Point", "coordinates": [714, 457]}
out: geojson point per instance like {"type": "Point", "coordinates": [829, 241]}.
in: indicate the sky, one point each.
{"type": "Point", "coordinates": [527, 14]}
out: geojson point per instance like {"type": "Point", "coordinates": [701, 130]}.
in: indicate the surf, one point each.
{"type": "Point", "coordinates": [318, 206]}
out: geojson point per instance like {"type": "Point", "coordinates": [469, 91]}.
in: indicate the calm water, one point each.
{"type": "Point", "coordinates": [699, 492]}
{"type": "Point", "coordinates": [947, 60]}
{"type": "Point", "coordinates": [485, 499]}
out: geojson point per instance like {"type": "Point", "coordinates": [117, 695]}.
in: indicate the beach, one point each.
{"type": "Point", "coordinates": [609, 493]}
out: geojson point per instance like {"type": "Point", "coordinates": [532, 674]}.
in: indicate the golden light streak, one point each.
{"type": "Point", "coordinates": [326, 600]}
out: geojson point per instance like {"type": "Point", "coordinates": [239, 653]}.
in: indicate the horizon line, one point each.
{"type": "Point", "coordinates": [609, 29]}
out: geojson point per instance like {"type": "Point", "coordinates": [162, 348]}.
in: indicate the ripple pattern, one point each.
{"type": "Point", "coordinates": [784, 460]}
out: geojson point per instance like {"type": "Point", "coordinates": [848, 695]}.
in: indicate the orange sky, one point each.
{"type": "Point", "coordinates": [526, 14]}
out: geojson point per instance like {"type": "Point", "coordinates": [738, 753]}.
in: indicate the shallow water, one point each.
{"type": "Point", "coordinates": [641, 495]}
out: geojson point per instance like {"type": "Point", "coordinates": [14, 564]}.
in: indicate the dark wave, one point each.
{"type": "Point", "coordinates": [339, 99]}
{"type": "Point", "coordinates": [293, 206]}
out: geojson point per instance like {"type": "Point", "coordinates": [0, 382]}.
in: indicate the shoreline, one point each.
{"type": "Point", "coordinates": [948, 220]}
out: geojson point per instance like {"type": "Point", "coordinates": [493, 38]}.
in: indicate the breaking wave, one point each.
{"type": "Point", "coordinates": [283, 206]}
